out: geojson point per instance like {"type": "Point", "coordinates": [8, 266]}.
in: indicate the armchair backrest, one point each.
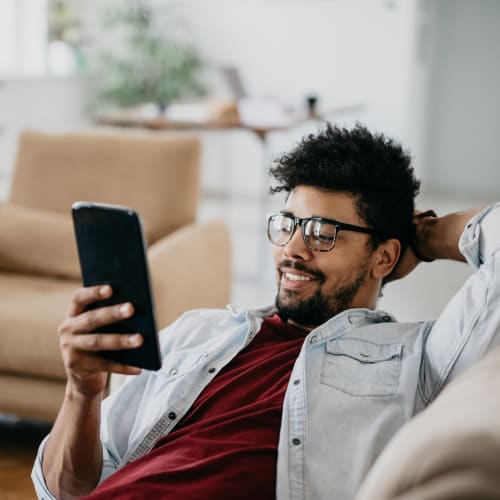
{"type": "Point", "coordinates": [158, 175]}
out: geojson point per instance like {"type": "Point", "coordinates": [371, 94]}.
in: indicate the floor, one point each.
{"type": "Point", "coordinates": [18, 442]}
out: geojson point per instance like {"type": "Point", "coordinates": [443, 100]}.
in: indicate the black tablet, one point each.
{"type": "Point", "coordinates": [112, 251]}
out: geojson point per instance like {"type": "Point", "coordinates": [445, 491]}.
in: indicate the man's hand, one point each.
{"type": "Point", "coordinates": [86, 370]}
{"type": "Point", "coordinates": [415, 251]}
{"type": "Point", "coordinates": [433, 238]}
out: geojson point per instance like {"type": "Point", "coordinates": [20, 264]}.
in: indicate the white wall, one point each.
{"type": "Point", "coordinates": [464, 108]}
{"type": "Point", "coordinates": [40, 103]}
{"type": "Point", "coordinates": [346, 52]}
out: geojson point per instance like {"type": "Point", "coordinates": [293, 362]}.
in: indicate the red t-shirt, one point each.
{"type": "Point", "coordinates": [226, 445]}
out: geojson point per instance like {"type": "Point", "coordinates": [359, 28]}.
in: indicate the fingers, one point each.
{"type": "Point", "coordinates": [80, 351]}
{"type": "Point", "coordinates": [95, 364]}
{"type": "Point", "coordinates": [418, 215]}
{"type": "Point", "coordinates": [80, 348]}
{"type": "Point", "coordinates": [418, 237]}
{"type": "Point", "coordinates": [106, 341]}
{"type": "Point", "coordinates": [74, 331]}
{"type": "Point", "coordinates": [85, 296]}
{"type": "Point", "coordinates": [93, 319]}
{"type": "Point", "coordinates": [122, 369]}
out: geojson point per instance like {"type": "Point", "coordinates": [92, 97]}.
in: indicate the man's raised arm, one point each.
{"type": "Point", "coordinates": [469, 326]}
{"type": "Point", "coordinates": [72, 457]}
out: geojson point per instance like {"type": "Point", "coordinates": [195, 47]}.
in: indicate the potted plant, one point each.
{"type": "Point", "coordinates": [145, 58]}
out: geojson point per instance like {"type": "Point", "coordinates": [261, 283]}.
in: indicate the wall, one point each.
{"type": "Point", "coordinates": [40, 103]}
{"type": "Point", "coordinates": [346, 52]}
{"type": "Point", "coordinates": [463, 125]}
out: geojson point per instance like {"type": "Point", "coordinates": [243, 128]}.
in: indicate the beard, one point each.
{"type": "Point", "coordinates": [322, 305]}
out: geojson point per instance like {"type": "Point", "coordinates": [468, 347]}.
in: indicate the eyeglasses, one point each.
{"type": "Point", "coordinates": [319, 233]}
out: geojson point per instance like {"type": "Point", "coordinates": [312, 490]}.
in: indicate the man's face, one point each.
{"type": "Point", "coordinates": [314, 286]}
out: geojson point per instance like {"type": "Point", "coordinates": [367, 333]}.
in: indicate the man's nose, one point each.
{"type": "Point", "coordinates": [296, 247]}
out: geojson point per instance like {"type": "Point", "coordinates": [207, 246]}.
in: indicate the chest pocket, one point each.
{"type": "Point", "coordinates": [362, 368]}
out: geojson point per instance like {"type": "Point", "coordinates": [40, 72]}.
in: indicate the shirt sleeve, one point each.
{"type": "Point", "coordinates": [41, 489]}
{"type": "Point", "coordinates": [469, 326]}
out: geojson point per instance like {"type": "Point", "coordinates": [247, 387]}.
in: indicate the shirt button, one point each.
{"type": "Point", "coordinates": [296, 382]}
{"type": "Point", "coordinates": [313, 339]}
{"type": "Point", "coordinates": [296, 441]}
{"type": "Point", "coordinates": [211, 370]}
{"type": "Point", "coordinates": [350, 319]}
{"type": "Point", "coordinates": [386, 318]}
{"type": "Point", "coordinates": [173, 371]}
{"type": "Point", "coordinates": [172, 415]}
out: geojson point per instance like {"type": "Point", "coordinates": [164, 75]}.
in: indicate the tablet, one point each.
{"type": "Point", "coordinates": [112, 251]}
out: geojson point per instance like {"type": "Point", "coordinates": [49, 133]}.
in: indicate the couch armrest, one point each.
{"type": "Point", "coordinates": [37, 241]}
{"type": "Point", "coordinates": [190, 268]}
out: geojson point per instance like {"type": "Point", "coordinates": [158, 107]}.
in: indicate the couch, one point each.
{"type": "Point", "coordinates": [157, 175]}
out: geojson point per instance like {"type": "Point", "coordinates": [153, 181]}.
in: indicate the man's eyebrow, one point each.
{"type": "Point", "coordinates": [313, 216]}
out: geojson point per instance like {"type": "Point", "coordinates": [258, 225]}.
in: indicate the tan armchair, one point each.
{"type": "Point", "coordinates": [156, 175]}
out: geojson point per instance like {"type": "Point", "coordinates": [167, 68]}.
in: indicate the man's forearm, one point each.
{"type": "Point", "coordinates": [439, 236]}
{"type": "Point", "coordinates": [72, 459]}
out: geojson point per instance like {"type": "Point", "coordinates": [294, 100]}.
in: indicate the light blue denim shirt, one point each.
{"type": "Point", "coordinates": [358, 378]}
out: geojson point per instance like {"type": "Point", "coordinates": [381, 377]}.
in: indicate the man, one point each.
{"type": "Point", "coordinates": [293, 401]}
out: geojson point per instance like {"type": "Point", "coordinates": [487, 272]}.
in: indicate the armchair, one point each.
{"type": "Point", "coordinates": [157, 176]}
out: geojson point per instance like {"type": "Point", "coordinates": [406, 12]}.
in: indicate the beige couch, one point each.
{"type": "Point", "coordinates": [156, 175]}
{"type": "Point", "coordinates": [450, 451]}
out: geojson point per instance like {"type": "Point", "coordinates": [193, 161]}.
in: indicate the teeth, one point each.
{"type": "Point", "coordinates": [296, 277]}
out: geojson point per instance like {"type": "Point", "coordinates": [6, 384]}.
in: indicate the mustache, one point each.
{"type": "Point", "coordinates": [293, 264]}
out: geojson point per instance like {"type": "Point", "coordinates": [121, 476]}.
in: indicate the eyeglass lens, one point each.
{"type": "Point", "coordinates": [318, 235]}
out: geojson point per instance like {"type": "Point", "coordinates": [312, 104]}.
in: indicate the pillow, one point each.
{"type": "Point", "coordinates": [37, 242]}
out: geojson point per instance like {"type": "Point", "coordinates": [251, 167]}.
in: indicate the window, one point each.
{"type": "Point", "coordinates": [7, 35]}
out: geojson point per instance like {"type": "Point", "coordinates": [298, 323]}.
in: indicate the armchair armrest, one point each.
{"type": "Point", "coordinates": [190, 268]}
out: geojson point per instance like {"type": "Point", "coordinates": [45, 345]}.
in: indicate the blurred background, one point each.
{"type": "Point", "coordinates": [425, 72]}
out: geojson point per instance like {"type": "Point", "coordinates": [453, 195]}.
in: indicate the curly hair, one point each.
{"type": "Point", "coordinates": [373, 168]}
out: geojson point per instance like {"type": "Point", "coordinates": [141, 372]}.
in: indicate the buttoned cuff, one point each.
{"type": "Point", "coordinates": [481, 236]}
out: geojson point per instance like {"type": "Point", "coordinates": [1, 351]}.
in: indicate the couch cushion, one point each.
{"type": "Point", "coordinates": [37, 241]}
{"type": "Point", "coordinates": [449, 451]}
{"type": "Point", "coordinates": [37, 398]}
{"type": "Point", "coordinates": [31, 310]}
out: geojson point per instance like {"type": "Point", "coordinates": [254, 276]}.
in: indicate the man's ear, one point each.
{"type": "Point", "coordinates": [385, 258]}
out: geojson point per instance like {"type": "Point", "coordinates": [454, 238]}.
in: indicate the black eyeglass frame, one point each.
{"type": "Point", "coordinates": [303, 221]}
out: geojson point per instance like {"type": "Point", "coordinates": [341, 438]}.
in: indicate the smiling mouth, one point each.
{"type": "Point", "coordinates": [296, 277]}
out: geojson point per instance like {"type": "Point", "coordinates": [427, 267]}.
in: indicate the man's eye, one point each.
{"type": "Point", "coordinates": [321, 237]}
{"type": "Point", "coordinates": [281, 228]}
{"type": "Point", "coordinates": [324, 237]}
